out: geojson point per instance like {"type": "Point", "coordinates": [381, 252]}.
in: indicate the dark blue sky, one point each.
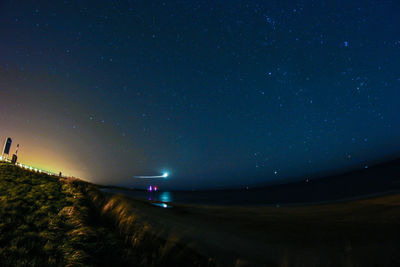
{"type": "Point", "coordinates": [218, 93]}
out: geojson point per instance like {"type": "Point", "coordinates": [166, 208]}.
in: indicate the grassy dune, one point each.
{"type": "Point", "coordinates": [160, 245]}
{"type": "Point", "coordinates": [45, 221]}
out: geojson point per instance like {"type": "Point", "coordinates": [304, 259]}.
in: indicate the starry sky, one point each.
{"type": "Point", "coordinates": [220, 94]}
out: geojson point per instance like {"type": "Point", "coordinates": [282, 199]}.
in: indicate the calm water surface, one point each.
{"type": "Point", "coordinates": [380, 180]}
{"type": "Point", "coordinates": [279, 195]}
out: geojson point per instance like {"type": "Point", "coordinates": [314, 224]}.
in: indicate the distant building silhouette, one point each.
{"type": "Point", "coordinates": [14, 159]}
{"type": "Point", "coordinates": [15, 156]}
{"type": "Point", "coordinates": [7, 147]}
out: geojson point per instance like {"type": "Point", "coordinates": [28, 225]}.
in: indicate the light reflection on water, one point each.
{"type": "Point", "coordinates": [162, 205]}
{"type": "Point", "coordinates": [166, 197]}
{"type": "Point", "coordinates": [163, 197]}
{"type": "Point", "coordinates": [160, 196]}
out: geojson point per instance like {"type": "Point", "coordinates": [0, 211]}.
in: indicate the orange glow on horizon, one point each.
{"type": "Point", "coordinates": [47, 158]}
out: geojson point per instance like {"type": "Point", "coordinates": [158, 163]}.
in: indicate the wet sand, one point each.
{"type": "Point", "coordinates": [355, 233]}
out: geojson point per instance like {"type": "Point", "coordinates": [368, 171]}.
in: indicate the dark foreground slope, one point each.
{"type": "Point", "coordinates": [45, 221]}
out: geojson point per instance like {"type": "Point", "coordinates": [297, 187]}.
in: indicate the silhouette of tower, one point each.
{"type": "Point", "coordinates": [6, 149]}
{"type": "Point", "coordinates": [15, 156]}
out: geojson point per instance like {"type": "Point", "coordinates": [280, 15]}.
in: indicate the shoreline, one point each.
{"type": "Point", "coordinates": [129, 194]}
{"type": "Point", "coordinates": [258, 235]}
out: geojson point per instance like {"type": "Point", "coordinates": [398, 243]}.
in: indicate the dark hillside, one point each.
{"type": "Point", "coordinates": [47, 221]}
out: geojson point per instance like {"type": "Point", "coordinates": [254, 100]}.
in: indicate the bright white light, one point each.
{"type": "Point", "coordinates": [164, 175]}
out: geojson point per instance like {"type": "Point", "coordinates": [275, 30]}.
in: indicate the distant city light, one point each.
{"type": "Point", "coordinates": [27, 167]}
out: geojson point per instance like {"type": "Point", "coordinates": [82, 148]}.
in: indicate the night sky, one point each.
{"type": "Point", "coordinates": [219, 94]}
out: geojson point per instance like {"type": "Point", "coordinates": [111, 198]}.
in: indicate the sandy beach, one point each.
{"type": "Point", "coordinates": [356, 233]}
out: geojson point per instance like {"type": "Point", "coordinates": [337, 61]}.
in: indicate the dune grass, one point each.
{"type": "Point", "coordinates": [152, 246]}
{"type": "Point", "coordinates": [47, 221]}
